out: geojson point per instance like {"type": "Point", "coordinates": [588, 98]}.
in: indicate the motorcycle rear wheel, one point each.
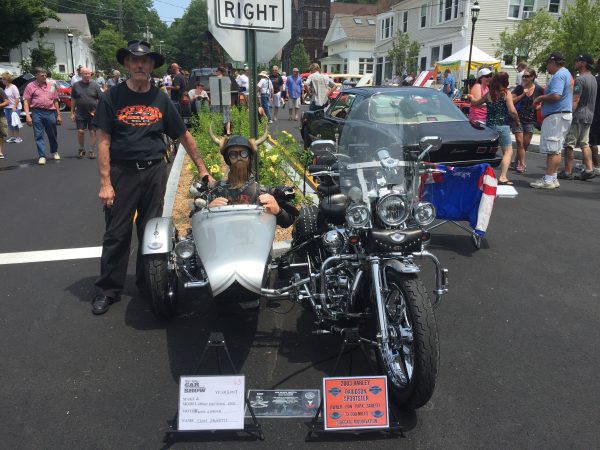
{"type": "Point", "coordinates": [411, 357]}
{"type": "Point", "coordinates": [161, 285]}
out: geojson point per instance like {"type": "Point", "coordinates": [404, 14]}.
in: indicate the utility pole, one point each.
{"type": "Point", "coordinates": [121, 16]}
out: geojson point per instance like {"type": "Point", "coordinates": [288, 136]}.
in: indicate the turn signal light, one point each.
{"type": "Point", "coordinates": [354, 239]}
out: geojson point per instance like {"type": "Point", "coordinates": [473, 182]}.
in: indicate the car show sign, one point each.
{"type": "Point", "coordinates": [265, 15]}
{"type": "Point", "coordinates": [355, 402]}
{"type": "Point", "coordinates": [283, 404]}
{"type": "Point", "coordinates": [211, 403]}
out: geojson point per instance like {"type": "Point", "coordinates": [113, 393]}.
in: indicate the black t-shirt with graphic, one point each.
{"type": "Point", "coordinates": [178, 80]}
{"type": "Point", "coordinates": [136, 122]}
{"type": "Point", "coordinates": [277, 82]}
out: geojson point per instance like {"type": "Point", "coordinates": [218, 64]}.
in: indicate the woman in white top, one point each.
{"type": "Point", "coordinates": [265, 88]}
{"type": "Point", "coordinates": [14, 105]}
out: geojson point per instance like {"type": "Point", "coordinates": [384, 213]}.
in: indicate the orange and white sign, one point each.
{"type": "Point", "coordinates": [355, 402]}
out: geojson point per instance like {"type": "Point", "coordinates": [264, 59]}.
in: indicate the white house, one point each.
{"type": "Point", "coordinates": [350, 45]}
{"type": "Point", "coordinates": [57, 38]}
{"type": "Point", "coordinates": [443, 27]}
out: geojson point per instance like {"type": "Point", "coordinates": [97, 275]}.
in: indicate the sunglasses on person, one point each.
{"type": "Point", "coordinates": [237, 154]}
{"type": "Point", "coordinates": [527, 76]}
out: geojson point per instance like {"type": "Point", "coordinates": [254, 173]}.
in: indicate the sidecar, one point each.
{"type": "Point", "coordinates": [227, 251]}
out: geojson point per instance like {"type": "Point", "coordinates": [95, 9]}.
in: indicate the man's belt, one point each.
{"type": "Point", "coordinates": [558, 112]}
{"type": "Point", "coordinates": [135, 164]}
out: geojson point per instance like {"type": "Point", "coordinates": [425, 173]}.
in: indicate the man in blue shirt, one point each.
{"type": "Point", "coordinates": [293, 86]}
{"type": "Point", "coordinates": [449, 84]}
{"type": "Point", "coordinates": [557, 108]}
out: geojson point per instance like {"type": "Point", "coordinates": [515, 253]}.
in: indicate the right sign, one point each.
{"type": "Point", "coordinates": [266, 15]}
{"type": "Point", "coordinates": [355, 402]}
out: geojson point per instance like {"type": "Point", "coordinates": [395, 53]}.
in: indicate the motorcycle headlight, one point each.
{"type": "Point", "coordinates": [424, 213]}
{"type": "Point", "coordinates": [358, 216]}
{"type": "Point", "coordinates": [392, 210]}
{"type": "Point", "coordinates": [185, 249]}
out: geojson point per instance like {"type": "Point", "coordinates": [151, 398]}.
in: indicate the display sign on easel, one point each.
{"type": "Point", "coordinates": [211, 403]}
{"type": "Point", "coordinates": [355, 403]}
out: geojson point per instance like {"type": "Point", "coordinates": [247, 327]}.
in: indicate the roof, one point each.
{"type": "Point", "coordinates": [69, 22]}
{"type": "Point", "coordinates": [352, 8]}
{"type": "Point", "coordinates": [355, 30]}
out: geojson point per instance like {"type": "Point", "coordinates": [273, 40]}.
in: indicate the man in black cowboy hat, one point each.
{"type": "Point", "coordinates": [241, 187]}
{"type": "Point", "coordinates": [131, 119]}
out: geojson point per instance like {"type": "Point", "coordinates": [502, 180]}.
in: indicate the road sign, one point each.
{"type": "Point", "coordinates": [251, 15]}
{"type": "Point", "coordinates": [268, 43]}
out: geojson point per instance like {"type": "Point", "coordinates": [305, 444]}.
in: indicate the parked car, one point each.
{"type": "Point", "coordinates": [396, 117]}
{"type": "Point", "coordinates": [201, 74]}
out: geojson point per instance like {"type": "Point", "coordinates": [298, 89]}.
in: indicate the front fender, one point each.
{"type": "Point", "coordinates": [401, 266]}
{"type": "Point", "coordinates": [158, 236]}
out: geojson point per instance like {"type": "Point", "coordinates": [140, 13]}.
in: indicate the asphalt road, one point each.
{"type": "Point", "coordinates": [519, 330]}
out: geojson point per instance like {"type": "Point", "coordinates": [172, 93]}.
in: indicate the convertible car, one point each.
{"type": "Point", "coordinates": [396, 118]}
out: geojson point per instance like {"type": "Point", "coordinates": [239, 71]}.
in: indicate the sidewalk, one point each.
{"type": "Point", "coordinates": [534, 146]}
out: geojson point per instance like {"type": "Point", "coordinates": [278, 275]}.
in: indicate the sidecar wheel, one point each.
{"type": "Point", "coordinates": [411, 358]}
{"type": "Point", "coordinates": [161, 284]}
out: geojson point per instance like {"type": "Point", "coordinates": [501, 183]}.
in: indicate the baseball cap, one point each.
{"type": "Point", "coordinates": [483, 72]}
{"type": "Point", "coordinates": [585, 58]}
{"type": "Point", "coordinates": [556, 56]}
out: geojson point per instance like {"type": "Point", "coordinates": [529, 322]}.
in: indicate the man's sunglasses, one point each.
{"type": "Point", "coordinates": [527, 76]}
{"type": "Point", "coordinates": [237, 154]}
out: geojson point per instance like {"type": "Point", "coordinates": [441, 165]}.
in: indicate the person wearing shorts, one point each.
{"type": "Point", "coordinates": [584, 100]}
{"type": "Point", "coordinates": [223, 109]}
{"type": "Point", "coordinates": [294, 87]}
{"type": "Point", "coordinates": [277, 83]}
{"type": "Point", "coordinates": [3, 123]}
{"type": "Point", "coordinates": [557, 107]}
{"type": "Point", "coordinates": [85, 95]}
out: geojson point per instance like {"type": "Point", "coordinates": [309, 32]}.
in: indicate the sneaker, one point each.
{"type": "Point", "coordinates": [564, 175]}
{"type": "Point", "coordinates": [541, 184]}
{"type": "Point", "coordinates": [91, 155]}
{"type": "Point", "coordinates": [556, 184]}
{"type": "Point", "coordinates": [81, 153]}
{"type": "Point", "coordinates": [18, 140]}
{"type": "Point", "coordinates": [42, 161]}
{"type": "Point", "coordinates": [1, 155]}
{"type": "Point", "coordinates": [56, 156]}
{"type": "Point", "coordinates": [270, 121]}
{"type": "Point", "coordinates": [585, 175]}
{"type": "Point", "coordinates": [10, 140]}
{"type": "Point", "coordinates": [597, 171]}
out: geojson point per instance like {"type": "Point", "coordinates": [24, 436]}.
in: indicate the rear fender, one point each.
{"type": "Point", "coordinates": [158, 236]}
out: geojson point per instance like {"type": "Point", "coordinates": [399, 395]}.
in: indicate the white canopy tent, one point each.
{"type": "Point", "coordinates": [458, 62]}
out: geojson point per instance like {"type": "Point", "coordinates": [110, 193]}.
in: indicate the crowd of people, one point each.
{"type": "Point", "coordinates": [570, 108]}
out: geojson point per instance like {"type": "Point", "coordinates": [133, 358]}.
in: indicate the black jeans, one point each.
{"type": "Point", "coordinates": [135, 190]}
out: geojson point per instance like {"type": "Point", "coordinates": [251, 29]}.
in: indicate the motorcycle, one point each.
{"type": "Point", "coordinates": [353, 260]}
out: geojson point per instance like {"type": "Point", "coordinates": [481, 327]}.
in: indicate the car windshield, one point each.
{"type": "Point", "coordinates": [412, 107]}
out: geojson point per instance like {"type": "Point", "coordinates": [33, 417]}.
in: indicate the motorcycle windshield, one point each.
{"type": "Point", "coordinates": [379, 155]}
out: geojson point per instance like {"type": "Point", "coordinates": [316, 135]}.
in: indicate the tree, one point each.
{"type": "Point", "coordinates": [577, 32]}
{"type": "Point", "coordinates": [404, 53]}
{"type": "Point", "coordinates": [21, 19]}
{"type": "Point", "coordinates": [105, 46]}
{"type": "Point", "coordinates": [299, 57]}
{"type": "Point", "coordinates": [527, 40]}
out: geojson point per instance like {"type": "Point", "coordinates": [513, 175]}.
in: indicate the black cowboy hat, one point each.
{"type": "Point", "coordinates": [139, 48]}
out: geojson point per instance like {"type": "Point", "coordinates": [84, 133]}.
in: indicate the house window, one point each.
{"type": "Point", "coordinates": [520, 9]}
{"type": "Point", "coordinates": [309, 19]}
{"type": "Point", "coordinates": [446, 51]}
{"type": "Point", "coordinates": [423, 65]}
{"type": "Point", "coordinates": [448, 10]}
{"type": "Point", "coordinates": [357, 20]}
{"type": "Point", "coordinates": [324, 20]}
{"type": "Point", "coordinates": [62, 68]}
{"type": "Point", "coordinates": [405, 21]}
{"type": "Point", "coordinates": [345, 65]}
{"type": "Point", "coordinates": [371, 21]}
{"type": "Point", "coordinates": [5, 57]}
{"type": "Point", "coordinates": [317, 20]}
{"type": "Point", "coordinates": [435, 55]}
{"type": "Point", "coordinates": [423, 22]}
{"type": "Point", "coordinates": [387, 28]}
{"type": "Point", "coordinates": [554, 6]}
{"type": "Point", "coordinates": [365, 65]}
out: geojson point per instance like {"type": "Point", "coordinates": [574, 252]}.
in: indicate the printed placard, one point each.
{"type": "Point", "coordinates": [211, 403]}
{"type": "Point", "coordinates": [284, 403]}
{"type": "Point", "coordinates": [355, 402]}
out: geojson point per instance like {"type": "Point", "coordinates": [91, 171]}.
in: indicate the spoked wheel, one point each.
{"type": "Point", "coordinates": [161, 285]}
{"type": "Point", "coordinates": [410, 358]}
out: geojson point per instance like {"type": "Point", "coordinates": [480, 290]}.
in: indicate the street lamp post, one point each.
{"type": "Point", "coordinates": [160, 43]}
{"type": "Point", "coordinates": [70, 37]}
{"type": "Point", "coordinates": [474, 14]}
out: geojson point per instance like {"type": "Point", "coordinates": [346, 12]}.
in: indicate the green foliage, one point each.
{"type": "Point", "coordinates": [404, 53]}
{"type": "Point", "coordinates": [42, 56]}
{"type": "Point", "coordinates": [578, 32]}
{"type": "Point", "coordinates": [299, 57]}
{"type": "Point", "coordinates": [105, 47]}
{"type": "Point", "coordinates": [528, 39]}
{"type": "Point", "coordinates": [21, 19]}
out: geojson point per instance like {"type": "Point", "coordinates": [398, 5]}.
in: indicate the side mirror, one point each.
{"type": "Point", "coordinates": [322, 146]}
{"type": "Point", "coordinates": [429, 144]}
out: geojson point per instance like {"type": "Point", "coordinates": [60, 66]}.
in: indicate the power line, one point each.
{"type": "Point", "coordinates": [170, 4]}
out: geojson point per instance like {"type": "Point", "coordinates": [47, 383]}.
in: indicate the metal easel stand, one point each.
{"type": "Point", "coordinates": [216, 340]}
{"type": "Point", "coordinates": [352, 341]}
{"type": "Point", "coordinates": [474, 236]}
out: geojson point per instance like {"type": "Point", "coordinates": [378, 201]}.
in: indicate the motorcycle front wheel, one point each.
{"type": "Point", "coordinates": [411, 356]}
{"type": "Point", "coordinates": [161, 285]}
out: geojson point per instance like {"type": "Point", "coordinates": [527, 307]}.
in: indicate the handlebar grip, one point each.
{"type": "Point", "coordinates": [318, 168]}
